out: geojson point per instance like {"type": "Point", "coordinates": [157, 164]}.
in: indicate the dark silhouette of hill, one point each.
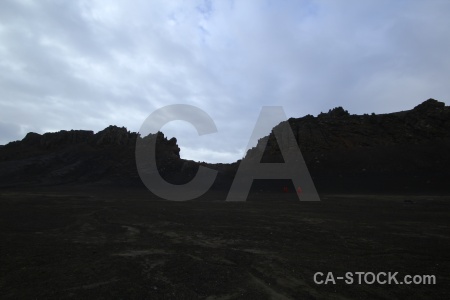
{"type": "Point", "coordinates": [80, 157]}
{"type": "Point", "coordinates": [404, 152]}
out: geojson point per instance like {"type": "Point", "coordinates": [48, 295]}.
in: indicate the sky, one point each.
{"type": "Point", "coordinates": [90, 64]}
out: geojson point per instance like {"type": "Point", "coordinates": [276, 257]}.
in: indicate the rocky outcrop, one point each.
{"type": "Point", "coordinates": [339, 130]}
{"type": "Point", "coordinates": [81, 157]}
{"type": "Point", "coordinates": [403, 152]}
{"type": "Point", "coordinates": [429, 106]}
{"type": "Point", "coordinates": [114, 135]}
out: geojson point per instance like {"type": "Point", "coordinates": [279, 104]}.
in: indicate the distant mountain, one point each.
{"type": "Point", "coordinates": [404, 152]}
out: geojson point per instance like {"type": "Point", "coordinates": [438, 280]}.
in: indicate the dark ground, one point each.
{"type": "Point", "coordinates": [90, 244]}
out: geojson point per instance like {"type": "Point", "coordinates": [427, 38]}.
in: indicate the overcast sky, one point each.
{"type": "Point", "coordinates": [90, 64]}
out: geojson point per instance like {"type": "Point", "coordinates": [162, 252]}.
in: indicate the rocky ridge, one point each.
{"type": "Point", "coordinates": [397, 152]}
{"type": "Point", "coordinates": [79, 157]}
{"type": "Point", "coordinates": [403, 151]}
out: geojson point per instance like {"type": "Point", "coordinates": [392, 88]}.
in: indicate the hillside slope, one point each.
{"type": "Point", "coordinates": [404, 152]}
{"type": "Point", "coordinates": [397, 152]}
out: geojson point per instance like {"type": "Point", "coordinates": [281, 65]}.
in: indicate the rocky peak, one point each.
{"type": "Point", "coordinates": [164, 148]}
{"type": "Point", "coordinates": [32, 138]}
{"type": "Point", "coordinates": [336, 112]}
{"type": "Point", "coordinates": [429, 106]}
{"type": "Point", "coordinates": [339, 130]}
{"type": "Point", "coordinates": [113, 135]}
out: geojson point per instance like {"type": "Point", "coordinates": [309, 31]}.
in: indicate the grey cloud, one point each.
{"type": "Point", "coordinates": [89, 64]}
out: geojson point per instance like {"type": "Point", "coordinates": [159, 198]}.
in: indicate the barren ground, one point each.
{"type": "Point", "coordinates": [95, 244]}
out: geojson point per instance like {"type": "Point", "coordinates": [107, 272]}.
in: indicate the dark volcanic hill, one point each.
{"type": "Point", "coordinates": [404, 152]}
{"type": "Point", "coordinates": [80, 157]}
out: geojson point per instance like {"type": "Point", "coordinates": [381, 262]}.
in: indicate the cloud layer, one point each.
{"type": "Point", "coordinates": [89, 64]}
